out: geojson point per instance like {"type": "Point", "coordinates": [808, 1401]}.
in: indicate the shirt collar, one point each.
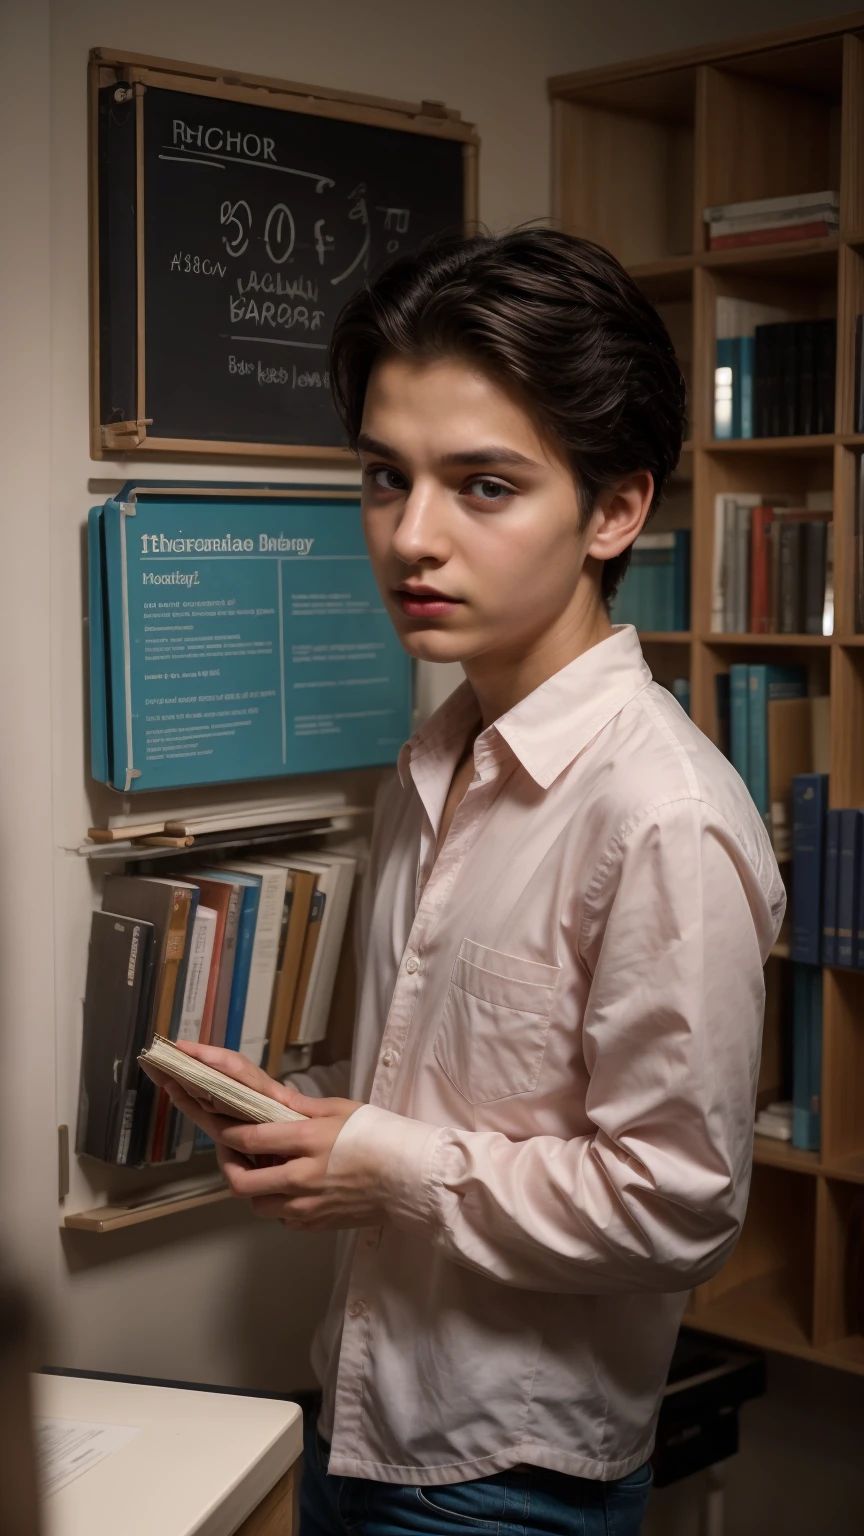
{"type": "Point", "coordinates": [549, 728]}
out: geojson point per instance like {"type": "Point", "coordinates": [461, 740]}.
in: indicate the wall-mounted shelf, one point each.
{"type": "Point", "coordinates": [149, 1207]}
{"type": "Point", "coordinates": [241, 837]}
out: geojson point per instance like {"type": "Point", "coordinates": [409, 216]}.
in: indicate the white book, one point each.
{"type": "Point", "coordinates": [194, 998]}
{"type": "Point", "coordinates": [265, 952]}
{"type": "Point", "coordinates": [727, 548]}
{"type": "Point", "coordinates": [335, 873]}
{"type": "Point", "coordinates": [757, 222]}
{"type": "Point", "coordinates": [740, 317]}
{"type": "Point", "coordinates": [797, 201]}
{"type": "Point", "coordinates": [265, 815]}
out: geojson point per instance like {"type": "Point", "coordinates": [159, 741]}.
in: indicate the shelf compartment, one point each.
{"type": "Point", "coordinates": [769, 133]}
{"type": "Point", "coordinates": [639, 140]}
{"type": "Point", "coordinates": [718, 638]}
{"type": "Point", "coordinates": [838, 1311]}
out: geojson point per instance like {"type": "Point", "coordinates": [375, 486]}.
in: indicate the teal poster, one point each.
{"type": "Point", "coordinates": [241, 638]}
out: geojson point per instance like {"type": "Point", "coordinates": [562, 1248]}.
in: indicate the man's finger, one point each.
{"type": "Point", "coordinates": [295, 1139]}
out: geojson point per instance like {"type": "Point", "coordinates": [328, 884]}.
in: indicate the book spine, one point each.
{"type": "Point", "coordinates": [730, 564]}
{"type": "Point", "coordinates": [723, 371]}
{"type": "Point", "coordinates": [848, 882]}
{"type": "Point", "coordinates": [745, 369]}
{"type": "Point", "coordinates": [757, 721]}
{"type": "Point", "coordinates": [826, 365]}
{"type": "Point", "coordinates": [735, 431]}
{"type": "Point", "coordinates": [759, 382]}
{"type": "Point", "coordinates": [805, 410]}
{"type": "Point", "coordinates": [829, 888]}
{"type": "Point", "coordinates": [788, 379]}
{"type": "Point", "coordinates": [789, 596]}
{"type": "Point", "coordinates": [778, 234]}
{"type": "Point", "coordinates": [815, 1020]}
{"type": "Point", "coordinates": [739, 718]}
{"type": "Point", "coordinates": [760, 572]}
{"type": "Point", "coordinates": [858, 955]}
{"type": "Point", "coordinates": [227, 957]}
{"type": "Point", "coordinates": [718, 584]}
{"type": "Point", "coordinates": [815, 537]}
{"type": "Point", "coordinates": [681, 575]}
{"type": "Point", "coordinates": [242, 967]}
{"type": "Point", "coordinates": [742, 568]}
{"type": "Point", "coordinates": [809, 795]}
{"type": "Point", "coordinates": [802, 1059]}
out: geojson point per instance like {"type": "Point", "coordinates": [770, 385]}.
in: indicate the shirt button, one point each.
{"type": "Point", "coordinates": [412, 965]}
{"type": "Point", "coordinates": [356, 1309]}
{"type": "Point", "coordinates": [389, 1058]}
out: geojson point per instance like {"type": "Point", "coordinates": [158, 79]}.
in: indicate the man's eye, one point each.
{"type": "Point", "coordinates": [489, 490]}
{"type": "Point", "coordinates": [387, 479]}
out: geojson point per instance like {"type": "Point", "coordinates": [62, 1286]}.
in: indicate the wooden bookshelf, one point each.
{"type": "Point", "coordinates": [639, 150]}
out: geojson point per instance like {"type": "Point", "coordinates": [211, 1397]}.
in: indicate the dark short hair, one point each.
{"type": "Point", "coordinates": [555, 317]}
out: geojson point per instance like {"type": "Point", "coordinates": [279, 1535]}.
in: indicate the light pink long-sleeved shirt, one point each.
{"type": "Point", "coordinates": [558, 1037]}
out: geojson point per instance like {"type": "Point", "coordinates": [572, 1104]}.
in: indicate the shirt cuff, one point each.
{"type": "Point", "coordinates": [393, 1157]}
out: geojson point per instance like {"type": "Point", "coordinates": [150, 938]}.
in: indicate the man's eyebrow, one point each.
{"type": "Point", "coordinates": [491, 453]}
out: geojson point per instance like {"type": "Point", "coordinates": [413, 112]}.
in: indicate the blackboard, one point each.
{"type": "Point", "coordinates": [230, 229]}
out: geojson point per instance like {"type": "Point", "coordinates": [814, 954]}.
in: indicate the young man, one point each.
{"type": "Point", "coordinates": [569, 903]}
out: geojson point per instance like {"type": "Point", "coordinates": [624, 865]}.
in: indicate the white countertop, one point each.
{"type": "Point", "coordinates": [199, 1466]}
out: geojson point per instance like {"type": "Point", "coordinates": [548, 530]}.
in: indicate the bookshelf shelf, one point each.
{"type": "Point", "coordinates": [665, 636]}
{"type": "Point", "coordinates": [110, 1218]}
{"type": "Point", "coordinates": [716, 638]}
{"type": "Point", "coordinates": [777, 115]}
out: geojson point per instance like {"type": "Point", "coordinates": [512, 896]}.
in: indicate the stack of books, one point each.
{"type": "Point", "coordinates": [772, 220]}
{"type": "Point", "coordinates": [241, 954]}
{"type": "Point", "coordinates": [655, 593]}
{"type": "Point", "coordinates": [827, 878]}
{"type": "Point", "coordinates": [775, 733]}
{"type": "Point", "coordinates": [773, 569]}
{"type": "Point", "coordinates": [774, 376]}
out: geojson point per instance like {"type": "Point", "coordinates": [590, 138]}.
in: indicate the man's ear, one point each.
{"type": "Point", "coordinates": [619, 515]}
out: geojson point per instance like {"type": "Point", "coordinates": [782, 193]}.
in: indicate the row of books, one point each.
{"type": "Point", "coordinates": [773, 567]}
{"type": "Point", "coordinates": [775, 733]}
{"type": "Point", "coordinates": [772, 220]}
{"type": "Point", "coordinates": [241, 954]}
{"type": "Point", "coordinates": [799, 1119]}
{"type": "Point", "coordinates": [827, 877]}
{"type": "Point", "coordinates": [655, 593]}
{"type": "Point", "coordinates": [774, 375]}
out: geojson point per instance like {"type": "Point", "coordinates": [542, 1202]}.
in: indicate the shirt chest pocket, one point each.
{"type": "Point", "coordinates": [492, 1032]}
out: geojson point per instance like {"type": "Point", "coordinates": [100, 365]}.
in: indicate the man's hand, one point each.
{"type": "Point", "coordinates": [281, 1169]}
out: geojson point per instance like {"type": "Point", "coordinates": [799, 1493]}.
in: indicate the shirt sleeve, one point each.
{"type": "Point", "coordinates": [674, 930]}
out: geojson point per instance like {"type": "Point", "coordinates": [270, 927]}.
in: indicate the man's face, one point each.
{"type": "Point", "coordinates": [461, 493]}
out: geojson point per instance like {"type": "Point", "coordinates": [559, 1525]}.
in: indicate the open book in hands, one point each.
{"type": "Point", "coordinates": [226, 1093]}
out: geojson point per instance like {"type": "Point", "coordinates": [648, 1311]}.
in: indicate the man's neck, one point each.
{"type": "Point", "coordinates": [500, 681]}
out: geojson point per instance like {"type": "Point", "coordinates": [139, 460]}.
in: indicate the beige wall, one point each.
{"type": "Point", "coordinates": [232, 1300]}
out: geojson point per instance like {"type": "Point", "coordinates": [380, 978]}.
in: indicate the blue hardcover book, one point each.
{"type": "Point", "coordinates": [809, 804]}
{"type": "Point", "coordinates": [848, 883]}
{"type": "Point", "coordinates": [243, 951]}
{"type": "Point", "coordinates": [766, 684]}
{"type": "Point", "coordinates": [739, 718]}
{"type": "Point", "coordinates": [247, 638]}
{"type": "Point", "coordinates": [744, 379]}
{"type": "Point", "coordinates": [829, 888]}
{"type": "Point", "coordinates": [806, 1057]}
{"type": "Point", "coordinates": [96, 615]}
{"type": "Point", "coordinates": [858, 957]}
{"type": "Point", "coordinates": [723, 376]}
{"type": "Point", "coordinates": [680, 617]}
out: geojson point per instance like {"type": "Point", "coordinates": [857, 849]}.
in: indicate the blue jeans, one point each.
{"type": "Point", "coordinates": [524, 1502]}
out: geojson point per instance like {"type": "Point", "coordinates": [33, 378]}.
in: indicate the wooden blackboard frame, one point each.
{"type": "Point", "coordinates": [107, 67]}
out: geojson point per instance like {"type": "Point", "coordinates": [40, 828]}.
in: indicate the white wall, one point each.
{"type": "Point", "coordinates": [248, 1292]}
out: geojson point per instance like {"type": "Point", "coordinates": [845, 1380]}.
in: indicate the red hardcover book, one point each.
{"type": "Point", "coordinates": [775, 236]}
{"type": "Point", "coordinates": [760, 571]}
